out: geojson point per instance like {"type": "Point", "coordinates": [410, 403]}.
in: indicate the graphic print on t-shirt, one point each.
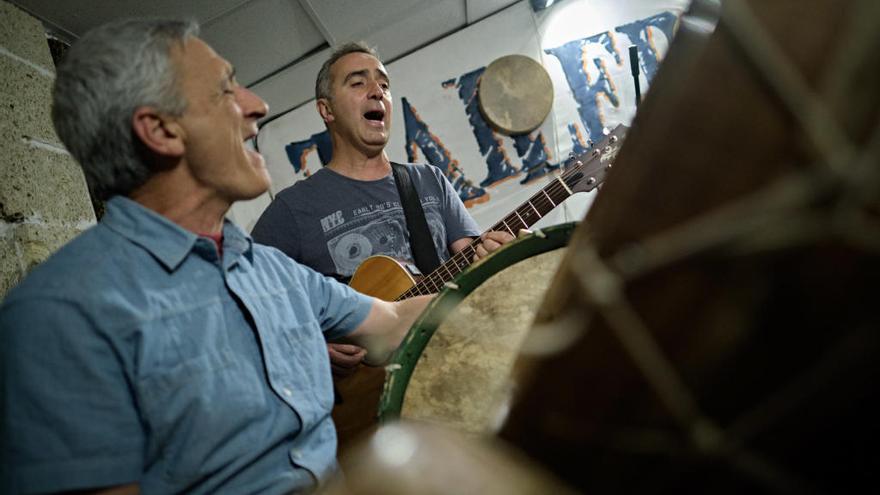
{"type": "Point", "coordinates": [353, 236]}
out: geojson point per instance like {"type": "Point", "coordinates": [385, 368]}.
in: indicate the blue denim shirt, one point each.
{"type": "Point", "coordinates": [136, 354]}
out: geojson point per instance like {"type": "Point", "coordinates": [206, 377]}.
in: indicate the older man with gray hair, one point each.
{"type": "Point", "coordinates": [162, 351]}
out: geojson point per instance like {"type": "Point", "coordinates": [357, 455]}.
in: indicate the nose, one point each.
{"type": "Point", "coordinates": [376, 92]}
{"type": "Point", "coordinates": [252, 106]}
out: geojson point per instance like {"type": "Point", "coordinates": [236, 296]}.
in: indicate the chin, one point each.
{"type": "Point", "coordinates": [377, 142]}
{"type": "Point", "coordinates": [250, 194]}
{"type": "Point", "coordinates": [255, 187]}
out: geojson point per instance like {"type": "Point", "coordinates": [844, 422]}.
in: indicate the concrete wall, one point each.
{"type": "Point", "coordinates": [44, 201]}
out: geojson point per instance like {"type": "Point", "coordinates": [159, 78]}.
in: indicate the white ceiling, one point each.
{"type": "Point", "coordinates": [278, 45]}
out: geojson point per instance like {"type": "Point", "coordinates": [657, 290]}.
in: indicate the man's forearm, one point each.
{"type": "Point", "coordinates": [386, 325]}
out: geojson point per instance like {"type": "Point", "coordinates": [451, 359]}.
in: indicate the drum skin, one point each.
{"type": "Point", "coordinates": [452, 367]}
{"type": "Point", "coordinates": [516, 94]}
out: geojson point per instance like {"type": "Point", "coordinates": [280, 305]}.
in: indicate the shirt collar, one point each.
{"type": "Point", "coordinates": [165, 240]}
{"type": "Point", "coordinates": [236, 241]}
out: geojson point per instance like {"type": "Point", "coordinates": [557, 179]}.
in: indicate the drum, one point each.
{"type": "Point", "coordinates": [721, 307]}
{"type": "Point", "coordinates": [515, 94]}
{"type": "Point", "coordinates": [409, 457]}
{"type": "Point", "coordinates": [453, 366]}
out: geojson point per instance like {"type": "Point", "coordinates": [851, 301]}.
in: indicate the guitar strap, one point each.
{"type": "Point", "coordinates": [424, 253]}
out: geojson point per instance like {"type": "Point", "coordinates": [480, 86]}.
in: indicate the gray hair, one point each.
{"type": "Point", "coordinates": [103, 78]}
{"type": "Point", "coordinates": [322, 83]}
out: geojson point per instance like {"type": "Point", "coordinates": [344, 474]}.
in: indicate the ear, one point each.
{"type": "Point", "coordinates": [160, 133]}
{"type": "Point", "coordinates": [325, 110]}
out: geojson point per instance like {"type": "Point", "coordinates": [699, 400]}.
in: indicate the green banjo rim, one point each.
{"type": "Point", "coordinates": [403, 362]}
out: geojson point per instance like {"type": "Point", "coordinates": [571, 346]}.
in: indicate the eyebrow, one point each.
{"type": "Point", "coordinates": [228, 77]}
{"type": "Point", "coordinates": [364, 73]}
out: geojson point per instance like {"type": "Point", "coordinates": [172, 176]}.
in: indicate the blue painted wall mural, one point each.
{"type": "Point", "coordinates": [419, 137]}
{"type": "Point", "coordinates": [588, 91]}
{"type": "Point", "coordinates": [298, 151]}
{"type": "Point", "coordinates": [491, 147]}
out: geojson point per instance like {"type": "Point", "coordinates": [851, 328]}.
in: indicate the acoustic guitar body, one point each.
{"type": "Point", "coordinates": [382, 277]}
{"type": "Point", "coordinates": [357, 395]}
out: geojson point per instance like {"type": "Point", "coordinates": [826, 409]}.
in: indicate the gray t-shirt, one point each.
{"type": "Point", "coordinates": [331, 223]}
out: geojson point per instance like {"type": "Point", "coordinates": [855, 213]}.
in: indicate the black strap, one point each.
{"type": "Point", "coordinates": [424, 253]}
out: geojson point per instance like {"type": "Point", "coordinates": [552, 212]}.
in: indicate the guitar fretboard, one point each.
{"type": "Point", "coordinates": [522, 217]}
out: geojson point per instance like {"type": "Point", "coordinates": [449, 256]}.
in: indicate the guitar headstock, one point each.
{"type": "Point", "coordinates": [586, 171]}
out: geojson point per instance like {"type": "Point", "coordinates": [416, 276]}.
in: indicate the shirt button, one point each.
{"type": "Point", "coordinates": [296, 454]}
{"type": "Point", "coordinates": [288, 392]}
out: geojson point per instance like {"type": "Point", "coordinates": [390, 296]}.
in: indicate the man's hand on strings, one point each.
{"type": "Point", "coordinates": [491, 241]}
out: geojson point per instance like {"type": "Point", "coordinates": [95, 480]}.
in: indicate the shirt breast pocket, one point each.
{"type": "Point", "coordinates": [199, 409]}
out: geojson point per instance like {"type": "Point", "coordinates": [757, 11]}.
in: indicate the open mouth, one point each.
{"type": "Point", "coordinates": [375, 115]}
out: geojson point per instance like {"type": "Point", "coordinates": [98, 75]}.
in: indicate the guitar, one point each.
{"type": "Point", "coordinates": [387, 279]}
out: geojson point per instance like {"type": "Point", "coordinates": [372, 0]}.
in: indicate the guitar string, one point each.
{"type": "Point", "coordinates": [461, 259]}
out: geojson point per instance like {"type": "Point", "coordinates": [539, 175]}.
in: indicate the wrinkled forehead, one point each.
{"type": "Point", "coordinates": [195, 50]}
{"type": "Point", "coordinates": [357, 63]}
{"type": "Point", "coordinates": [197, 61]}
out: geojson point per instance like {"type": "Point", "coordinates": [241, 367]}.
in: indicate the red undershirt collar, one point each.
{"type": "Point", "coordinates": [218, 240]}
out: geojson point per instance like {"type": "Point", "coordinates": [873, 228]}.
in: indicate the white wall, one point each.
{"type": "Point", "coordinates": [593, 25]}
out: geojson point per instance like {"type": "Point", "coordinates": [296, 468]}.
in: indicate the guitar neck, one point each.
{"type": "Point", "coordinates": [523, 217]}
{"type": "Point", "coordinates": [584, 172]}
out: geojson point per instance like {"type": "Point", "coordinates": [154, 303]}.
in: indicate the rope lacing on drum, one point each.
{"type": "Point", "coordinates": [829, 198]}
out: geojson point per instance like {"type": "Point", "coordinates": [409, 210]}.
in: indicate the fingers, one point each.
{"type": "Point", "coordinates": [345, 358]}
{"type": "Point", "coordinates": [344, 348]}
{"type": "Point", "coordinates": [491, 241]}
{"type": "Point", "coordinates": [489, 245]}
{"type": "Point", "coordinates": [496, 238]}
{"type": "Point", "coordinates": [480, 252]}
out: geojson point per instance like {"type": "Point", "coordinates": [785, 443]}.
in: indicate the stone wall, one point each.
{"type": "Point", "coordinates": [44, 200]}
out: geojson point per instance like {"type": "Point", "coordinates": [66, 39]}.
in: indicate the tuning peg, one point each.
{"type": "Point", "coordinates": [612, 139]}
